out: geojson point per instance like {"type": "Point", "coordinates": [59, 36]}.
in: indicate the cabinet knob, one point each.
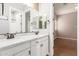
{"type": "Point", "coordinates": [37, 42]}
{"type": "Point", "coordinates": [29, 52]}
{"type": "Point", "coordinates": [41, 45]}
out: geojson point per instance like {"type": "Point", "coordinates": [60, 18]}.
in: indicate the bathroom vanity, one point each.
{"type": "Point", "coordinates": [27, 45]}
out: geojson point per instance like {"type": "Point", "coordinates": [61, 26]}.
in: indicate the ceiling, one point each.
{"type": "Point", "coordinates": [64, 8]}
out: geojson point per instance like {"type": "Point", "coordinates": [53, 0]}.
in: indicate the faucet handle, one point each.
{"type": "Point", "coordinates": [11, 35]}
{"type": "Point", "coordinates": [8, 35]}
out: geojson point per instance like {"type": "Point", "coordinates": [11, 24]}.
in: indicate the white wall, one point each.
{"type": "Point", "coordinates": [47, 8]}
{"type": "Point", "coordinates": [51, 30]}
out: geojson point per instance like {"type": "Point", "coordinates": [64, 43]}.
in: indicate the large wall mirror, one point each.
{"type": "Point", "coordinates": [21, 18]}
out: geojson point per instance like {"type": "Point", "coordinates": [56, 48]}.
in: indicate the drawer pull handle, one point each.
{"type": "Point", "coordinates": [37, 42]}
{"type": "Point", "coordinates": [29, 52]}
{"type": "Point", "coordinates": [41, 45]}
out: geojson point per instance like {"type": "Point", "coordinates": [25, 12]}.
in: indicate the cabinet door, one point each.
{"type": "Point", "coordinates": [15, 49]}
{"type": "Point", "coordinates": [35, 50]}
{"type": "Point", "coordinates": [39, 47]}
{"type": "Point", "coordinates": [44, 48]}
{"type": "Point", "coordinates": [26, 52]}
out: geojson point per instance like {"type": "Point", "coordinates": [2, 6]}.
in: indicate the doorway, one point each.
{"type": "Point", "coordinates": [27, 21]}
{"type": "Point", "coordinates": [65, 28]}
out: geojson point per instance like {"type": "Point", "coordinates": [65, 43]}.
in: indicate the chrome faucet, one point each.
{"type": "Point", "coordinates": [36, 32]}
{"type": "Point", "coordinates": [9, 36]}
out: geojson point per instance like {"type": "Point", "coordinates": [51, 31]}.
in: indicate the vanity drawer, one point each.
{"type": "Point", "coordinates": [44, 38]}
{"type": "Point", "coordinates": [11, 50]}
{"type": "Point", "coordinates": [34, 42]}
{"type": "Point", "coordinates": [39, 40]}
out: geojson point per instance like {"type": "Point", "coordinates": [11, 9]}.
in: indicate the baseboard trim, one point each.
{"type": "Point", "coordinates": [66, 38]}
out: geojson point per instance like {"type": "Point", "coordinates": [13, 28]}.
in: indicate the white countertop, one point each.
{"type": "Point", "coordinates": [19, 39]}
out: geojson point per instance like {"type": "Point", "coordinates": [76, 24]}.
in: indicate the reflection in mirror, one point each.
{"type": "Point", "coordinates": [15, 19]}
{"type": "Point", "coordinates": [22, 18]}
{"type": "Point", "coordinates": [27, 22]}
{"type": "Point", "coordinates": [42, 22]}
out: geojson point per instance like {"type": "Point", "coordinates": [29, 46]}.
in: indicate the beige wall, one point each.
{"type": "Point", "coordinates": [35, 6]}
{"type": "Point", "coordinates": [67, 25]}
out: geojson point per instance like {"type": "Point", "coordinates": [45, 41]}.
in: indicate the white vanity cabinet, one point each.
{"type": "Point", "coordinates": [39, 47]}
{"type": "Point", "coordinates": [44, 46]}
{"type": "Point", "coordinates": [35, 48]}
{"type": "Point", "coordinates": [21, 49]}
{"type": "Point", "coordinates": [25, 52]}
